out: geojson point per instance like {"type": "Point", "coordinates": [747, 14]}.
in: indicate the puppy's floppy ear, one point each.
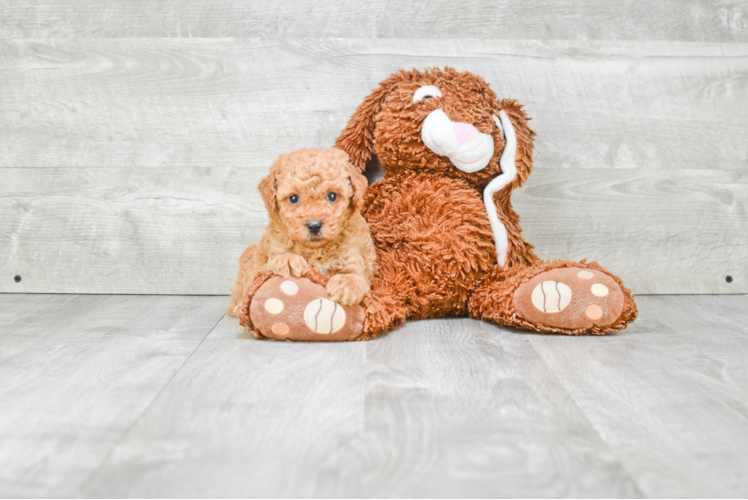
{"type": "Point", "coordinates": [359, 185]}
{"type": "Point", "coordinates": [357, 138]}
{"type": "Point", "coordinates": [268, 186]}
{"type": "Point", "coordinates": [268, 191]}
{"type": "Point", "coordinates": [357, 180]}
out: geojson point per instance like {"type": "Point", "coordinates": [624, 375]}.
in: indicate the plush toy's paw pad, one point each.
{"type": "Point", "coordinates": [298, 309]}
{"type": "Point", "coordinates": [570, 297]}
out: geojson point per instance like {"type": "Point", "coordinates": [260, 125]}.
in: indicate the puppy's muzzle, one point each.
{"type": "Point", "coordinates": [314, 226]}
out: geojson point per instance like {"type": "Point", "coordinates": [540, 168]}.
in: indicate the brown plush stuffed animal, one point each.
{"type": "Point", "coordinates": [448, 240]}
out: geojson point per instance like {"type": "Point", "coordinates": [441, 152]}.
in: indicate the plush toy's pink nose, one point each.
{"type": "Point", "coordinates": [464, 132]}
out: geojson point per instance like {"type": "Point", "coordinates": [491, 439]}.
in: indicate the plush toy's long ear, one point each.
{"type": "Point", "coordinates": [516, 165]}
{"type": "Point", "coordinates": [525, 139]}
{"type": "Point", "coordinates": [357, 138]}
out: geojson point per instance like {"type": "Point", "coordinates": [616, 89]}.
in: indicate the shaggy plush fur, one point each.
{"type": "Point", "coordinates": [313, 198]}
{"type": "Point", "coordinates": [388, 123]}
{"type": "Point", "coordinates": [435, 248]}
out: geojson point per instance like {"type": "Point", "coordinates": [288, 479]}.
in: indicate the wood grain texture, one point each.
{"type": "Point", "coordinates": [154, 148]}
{"type": "Point", "coordinates": [77, 372]}
{"type": "Point", "coordinates": [669, 395]}
{"type": "Point", "coordinates": [663, 231]}
{"type": "Point", "coordinates": [203, 102]}
{"type": "Point", "coordinates": [712, 322]}
{"type": "Point", "coordinates": [455, 407]}
{"type": "Point", "coordinates": [127, 230]}
{"type": "Point", "coordinates": [144, 230]}
{"type": "Point", "coordinates": [116, 396]}
{"type": "Point", "coordinates": [682, 20]}
{"type": "Point", "coordinates": [246, 418]}
{"type": "Point", "coordinates": [439, 408]}
{"type": "Point", "coordinates": [463, 408]}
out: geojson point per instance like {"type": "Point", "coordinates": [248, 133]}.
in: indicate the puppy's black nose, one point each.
{"type": "Point", "coordinates": [314, 226]}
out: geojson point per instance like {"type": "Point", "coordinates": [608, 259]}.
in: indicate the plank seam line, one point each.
{"type": "Point", "coordinates": [129, 429]}
{"type": "Point", "coordinates": [613, 451]}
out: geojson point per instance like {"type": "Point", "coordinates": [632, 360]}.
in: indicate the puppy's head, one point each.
{"type": "Point", "coordinates": [441, 121]}
{"type": "Point", "coordinates": [312, 193]}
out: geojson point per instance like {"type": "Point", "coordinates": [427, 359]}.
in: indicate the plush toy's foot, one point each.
{"type": "Point", "coordinates": [298, 309]}
{"type": "Point", "coordinates": [561, 297]}
{"type": "Point", "coordinates": [570, 298]}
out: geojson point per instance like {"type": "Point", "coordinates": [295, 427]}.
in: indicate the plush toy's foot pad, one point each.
{"type": "Point", "coordinates": [571, 298]}
{"type": "Point", "coordinates": [298, 309]}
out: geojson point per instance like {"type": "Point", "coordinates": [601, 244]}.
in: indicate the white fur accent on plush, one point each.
{"type": "Point", "coordinates": [498, 124]}
{"type": "Point", "coordinates": [426, 90]}
{"type": "Point", "coordinates": [468, 149]}
{"type": "Point", "coordinates": [508, 173]}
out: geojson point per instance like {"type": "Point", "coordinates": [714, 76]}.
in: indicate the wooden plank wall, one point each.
{"type": "Point", "coordinates": [133, 134]}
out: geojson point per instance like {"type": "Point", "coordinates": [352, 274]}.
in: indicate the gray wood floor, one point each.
{"type": "Point", "coordinates": [165, 396]}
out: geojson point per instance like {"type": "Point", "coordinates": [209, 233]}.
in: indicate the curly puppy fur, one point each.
{"type": "Point", "coordinates": [313, 198]}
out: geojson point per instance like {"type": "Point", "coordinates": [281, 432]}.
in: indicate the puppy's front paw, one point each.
{"type": "Point", "coordinates": [347, 289]}
{"type": "Point", "coordinates": [289, 264]}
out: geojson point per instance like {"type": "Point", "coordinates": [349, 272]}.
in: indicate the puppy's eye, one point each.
{"type": "Point", "coordinates": [332, 196]}
{"type": "Point", "coordinates": [294, 198]}
{"type": "Point", "coordinates": [426, 93]}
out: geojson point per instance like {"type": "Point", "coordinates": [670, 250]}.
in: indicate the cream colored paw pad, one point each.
{"type": "Point", "coordinates": [551, 296]}
{"type": "Point", "coordinates": [599, 290]}
{"type": "Point", "coordinates": [274, 306]}
{"type": "Point", "coordinates": [289, 288]}
{"type": "Point", "coordinates": [324, 316]}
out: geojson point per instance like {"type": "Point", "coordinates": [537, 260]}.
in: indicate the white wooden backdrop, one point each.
{"type": "Point", "coordinates": [133, 134]}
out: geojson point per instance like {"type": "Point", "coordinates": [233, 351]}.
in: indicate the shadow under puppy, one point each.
{"type": "Point", "coordinates": [313, 198]}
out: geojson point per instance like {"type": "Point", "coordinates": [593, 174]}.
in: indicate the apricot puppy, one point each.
{"type": "Point", "coordinates": [313, 198]}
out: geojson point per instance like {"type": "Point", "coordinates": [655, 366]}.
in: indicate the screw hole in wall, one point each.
{"type": "Point", "coordinates": [728, 279]}
{"type": "Point", "coordinates": [17, 278]}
